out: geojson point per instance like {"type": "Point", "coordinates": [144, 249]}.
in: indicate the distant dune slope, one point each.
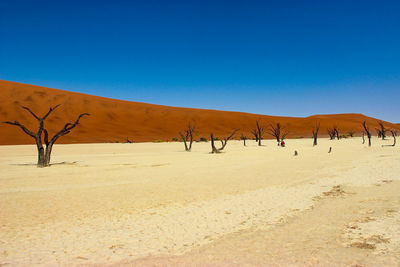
{"type": "Point", "coordinates": [115, 120]}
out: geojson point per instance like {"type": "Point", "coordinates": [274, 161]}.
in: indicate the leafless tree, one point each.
{"type": "Point", "coordinates": [315, 134]}
{"type": "Point", "coordinates": [278, 132]}
{"type": "Point", "coordinates": [260, 132]}
{"type": "Point", "coordinates": [44, 154]}
{"type": "Point", "coordinates": [283, 136]}
{"type": "Point", "coordinates": [188, 136]}
{"type": "Point", "coordinates": [394, 134]}
{"type": "Point", "coordinates": [382, 130]}
{"type": "Point", "coordinates": [363, 136]}
{"type": "Point", "coordinates": [332, 133]}
{"type": "Point", "coordinates": [255, 133]}
{"type": "Point", "coordinates": [336, 129]}
{"type": "Point", "coordinates": [367, 132]}
{"type": "Point", "coordinates": [244, 138]}
{"type": "Point", "coordinates": [378, 132]}
{"type": "Point", "coordinates": [223, 142]}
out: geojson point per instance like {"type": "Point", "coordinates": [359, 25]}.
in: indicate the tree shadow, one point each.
{"type": "Point", "coordinates": [56, 163]}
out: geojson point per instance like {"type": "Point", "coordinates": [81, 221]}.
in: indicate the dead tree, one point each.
{"type": "Point", "coordinates": [378, 132]}
{"type": "Point", "coordinates": [336, 130]}
{"type": "Point", "coordinates": [363, 136]}
{"type": "Point", "coordinates": [332, 133]}
{"type": "Point", "coordinates": [351, 133]}
{"type": "Point", "coordinates": [275, 131]}
{"type": "Point", "coordinates": [394, 137]}
{"type": "Point", "coordinates": [244, 138]}
{"type": "Point", "coordinates": [278, 132]}
{"type": "Point", "coordinates": [367, 132]}
{"type": "Point", "coordinates": [255, 133]}
{"type": "Point", "coordinates": [382, 130]}
{"type": "Point", "coordinates": [260, 132]}
{"type": "Point", "coordinates": [44, 154]}
{"type": "Point", "coordinates": [283, 136]}
{"type": "Point", "coordinates": [223, 142]}
{"type": "Point", "coordinates": [188, 137]}
{"type": "Point", "coordinates": [315, 134]}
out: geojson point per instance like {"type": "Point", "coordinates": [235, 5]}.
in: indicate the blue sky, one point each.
{"type": "Point", "coordinates": [286, 58]}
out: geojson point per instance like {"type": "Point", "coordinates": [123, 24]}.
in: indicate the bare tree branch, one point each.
{"type": "Point", "coordinates": [315, 133]}
{"type": "Point", "coordinates": [382, 131]}
{"type": "Point", "coordinates": [30, 111]}
{"type": "Point", "coordinates": [188, 136]}
{"type": "Point", "coordinates": [50, 110]}
{"type": "Point", "coordinates": [16, 123]}
{"type": "Point", "coordinates": [260, 132]}
{"type": "Point", "coordinates": [367, 132]}
{"type": "Point", "coordinates": [223, 142]}
{"type": "Point", "coordinates": [44, 156]}
{"type": "Point", "coordinates": [67, 127]}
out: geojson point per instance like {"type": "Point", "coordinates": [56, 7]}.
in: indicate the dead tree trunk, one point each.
{"type": "Point", "coordinates": [275, 131]}
{"type": "Point", "coordinates": [255, 133]}
{"type": "Point", "coordinates": [315, 134]}
{"type": "Point", "coordinates": [278, 132]}
{"type": "Point", "coordinates": [45, 154]}
{"type": "Point", "coordinates": [382, 130]}
{"type": "Point", "coordinates": [336, 130]}
{"type": "Point", "coordinates": [368, 132]}
{"type": "Point", "coordinates": [244, 138]}
{"type": "Point", "coordinates": [363, 136]}
{"type": "Point", "coordinates": [378, 132]}
{"type": "Point", "coordinates": [394, 138]}
{"type": "Point", "coordinates": [332, 133]}
{"type": "Point", "coordinates": [188, 137]}
{"type": "Point", "coordinates": [260, 132]}
{"type": "Point", "coordinates": [223, 142]}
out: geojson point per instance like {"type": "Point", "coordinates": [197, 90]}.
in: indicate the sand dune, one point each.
{"type": "Point", "coordinates": [115, 120]}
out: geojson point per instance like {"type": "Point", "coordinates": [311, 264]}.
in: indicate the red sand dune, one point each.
{"type": "Point", "coordinates": [115, 120]}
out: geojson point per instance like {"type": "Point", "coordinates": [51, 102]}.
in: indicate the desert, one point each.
{"type": "Point", "coordinates": [153, 204]}
{"type": "Point", "coordinates": [199, 133]}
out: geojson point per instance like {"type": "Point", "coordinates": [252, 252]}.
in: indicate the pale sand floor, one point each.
{"type": "Point", "coordinates": [154, 204]}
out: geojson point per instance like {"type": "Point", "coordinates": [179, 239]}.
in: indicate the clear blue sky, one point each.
{"type": "Point", "coordinates": [289, 58]}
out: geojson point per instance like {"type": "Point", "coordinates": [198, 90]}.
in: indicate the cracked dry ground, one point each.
{"type": "Point", "coordinates": [346, 227]}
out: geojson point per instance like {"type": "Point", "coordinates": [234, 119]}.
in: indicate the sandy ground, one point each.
{"type": "Point", "coordinates": [152, 204]}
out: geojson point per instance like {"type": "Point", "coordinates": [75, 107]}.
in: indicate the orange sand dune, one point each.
{"type": "Point", "coordinates": [115, 120]}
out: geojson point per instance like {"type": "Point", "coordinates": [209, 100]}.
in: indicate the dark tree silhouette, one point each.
{"type": "Point", "coordinates": [278, 132]}
{"type": "Point", "coordinates": [315, 134]}
{"type": "Point", "coordinates": [378, 132]}
{"type": "Point", "coordinates": [255, 133]}
{"type": "Point", "coordinates": [223, 142]}
{"type": "Point", "coordinates": [382, 131]}
{"type": "Point", "coordinates": [188, 137]}
{"type": "Point", "coordinates": [260, 132]}
{"type": "Point", "coordinates": [44, 154]}
{"type": "Point", "coordinates": [332, 133]}
{"type": "Point", "coordinates": [394, 134]}
{"type": "Point", "coordinates": [283, 136]}
{"type": "Point", "coordinates": [336, 130]}
{"type": "Point", "coordinates": [351, 133]}
{"type": "Point", "coordinates": [367, 132]}
{"type": "Point", "coordinates": [244, 138]}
